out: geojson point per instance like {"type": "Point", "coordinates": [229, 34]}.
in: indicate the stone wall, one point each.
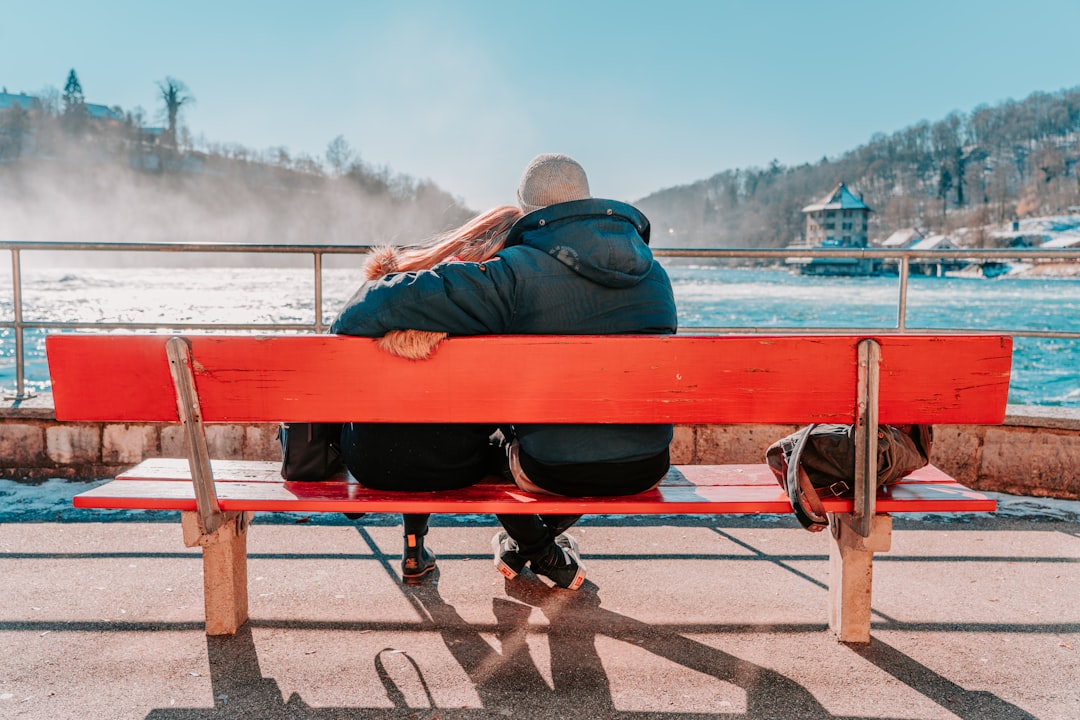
{"type": "Point", "coordinates": [1036, 452]}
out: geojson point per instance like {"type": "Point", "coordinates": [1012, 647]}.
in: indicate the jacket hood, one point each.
{"type": "Point", "coordinates": [605, 241]}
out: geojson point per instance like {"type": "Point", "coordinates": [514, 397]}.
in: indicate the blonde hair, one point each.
{"type": "Point", "coordinates": [475, 241]}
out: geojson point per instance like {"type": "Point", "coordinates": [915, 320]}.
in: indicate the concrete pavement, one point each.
{"type": "Point", "coordinates": [680, 618]}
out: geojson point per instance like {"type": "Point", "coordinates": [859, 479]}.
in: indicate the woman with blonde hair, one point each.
{"type": "Point", "coordinates": [475, 241]}
{"type": "Point", "coordinates": [417, 456]}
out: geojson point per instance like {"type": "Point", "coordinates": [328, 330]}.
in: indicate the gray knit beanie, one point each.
{"type": "Point", "coordinates": [551, 178]}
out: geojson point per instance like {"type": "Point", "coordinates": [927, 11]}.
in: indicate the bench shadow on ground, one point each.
{"type": "Point", "coordinates": [508, 682]}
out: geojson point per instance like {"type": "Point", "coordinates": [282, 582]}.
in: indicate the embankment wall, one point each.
{"type": "Point", "coordinates": [1036, 452]}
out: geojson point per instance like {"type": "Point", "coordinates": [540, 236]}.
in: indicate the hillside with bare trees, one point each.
{"type": "Point", "coordinates": [74, 171]}
{"type": "Point", "coordinates": [70, 170]}
{"type": "Point", "coordinates": [992, 165]}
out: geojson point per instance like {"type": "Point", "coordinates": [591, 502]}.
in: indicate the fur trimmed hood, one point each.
{"type": "Point", "coordinates": [381, 262]}
{"type": "Point", "coordinates": [409, 344]}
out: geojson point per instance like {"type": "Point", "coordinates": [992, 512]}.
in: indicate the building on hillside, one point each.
{"type": "Point", "coordinates": [934, 266]}
{"type": "Point", "coordinates": [16, 139]}
{"type": "Point", "coordinates": [98, 113]}
{"type": "Point", "coordinates": [104, 114]}
{"type": "Point", "coordinates": [19, 138]}
{"type": "Point", "coordinates": [839, 220]}
{"type": "Point", "coordinates": [935, 242]}
{"type": "Point", "coordinates": [921, 265]}
{"type": "Point", "coordinates": [902, 239]}
{"type": "Point", "coordinates": [26, 102]}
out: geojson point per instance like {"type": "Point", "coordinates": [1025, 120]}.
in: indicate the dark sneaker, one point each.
{"type": "Point", "coordinates": [561, 565]}
{"type": "Point", "coordinates": [416, 561]}
{"type": "Point", "coordinates": [569, 543]}
{"type": "Point", "coordinates": [507, 559]}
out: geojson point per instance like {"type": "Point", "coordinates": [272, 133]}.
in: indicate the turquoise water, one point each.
{"type": "Point", "coordinates": [1045, 371]}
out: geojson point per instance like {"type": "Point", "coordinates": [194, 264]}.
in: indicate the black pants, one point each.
{"type": "Point", "coordinates": [534, 534]}
{"type": "Point", "coordinates": [417, 457]}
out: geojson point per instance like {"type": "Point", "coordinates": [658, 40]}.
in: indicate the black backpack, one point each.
{"type": "Point", "coordinates": [310, 451]}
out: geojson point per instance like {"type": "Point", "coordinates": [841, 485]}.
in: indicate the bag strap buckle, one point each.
{"type": "Point", "coordinates": [836, 489]}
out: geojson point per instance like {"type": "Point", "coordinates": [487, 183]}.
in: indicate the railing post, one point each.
{"type": "Point", "coordinates": [319, 327]}
{"type": "Point", "coordinates": [866, 436]}
{"type": "Point", "coordinates": [901, 303]}
{"type": "Point", "coordinates": [20, 357]}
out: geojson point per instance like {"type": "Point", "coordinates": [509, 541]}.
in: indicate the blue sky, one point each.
{"type": "Point", "coordinates": [646, 95]}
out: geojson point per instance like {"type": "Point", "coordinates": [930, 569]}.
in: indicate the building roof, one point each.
{"type": "Point", "coordinates": [839, 199]}
{"type": "Point", "coordinates": [902, 238]}
{"type": "Point", "coordinates": [26, 102]}
{"type": "Point", "coordinates": [102, 112]}
{"type": "Point", "coordinates": [934, 242]}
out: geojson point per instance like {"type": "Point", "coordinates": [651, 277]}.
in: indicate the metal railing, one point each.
{"type": "Point", "coordinates": [903, 260]}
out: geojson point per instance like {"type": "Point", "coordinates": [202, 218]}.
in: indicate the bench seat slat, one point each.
{"type": "Point", "coordinates": [267, 471]}
{"type": "Point", "coordinates": [697, 489]}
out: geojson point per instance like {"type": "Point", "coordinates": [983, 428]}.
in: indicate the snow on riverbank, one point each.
{"type": "Point", "coordinates": [1055, 232]}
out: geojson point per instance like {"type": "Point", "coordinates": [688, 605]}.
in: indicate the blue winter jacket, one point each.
{"type": "Point", "coordinates": [575, 268]}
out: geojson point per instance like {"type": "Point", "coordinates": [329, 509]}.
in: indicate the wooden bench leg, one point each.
{"type": "Point", "coordinates": [851, 574]}
{"type": "Point", "coordinates": [224, 570]}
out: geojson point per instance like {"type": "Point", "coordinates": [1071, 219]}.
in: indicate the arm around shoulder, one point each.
{"type": "Point", "coordinates": [459, 299]}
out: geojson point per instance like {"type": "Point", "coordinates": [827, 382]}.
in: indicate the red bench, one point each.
{"type": "Point", "coordinates": [566, 379]}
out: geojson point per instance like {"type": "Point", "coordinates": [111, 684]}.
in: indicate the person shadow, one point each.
{"type": "Point", "coordinates": [509, 680]}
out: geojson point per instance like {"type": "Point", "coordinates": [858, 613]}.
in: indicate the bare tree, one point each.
{"type": "Point", "coordinates": [173, 95]}
{"type": "Point", "coordinates": [339, 156]}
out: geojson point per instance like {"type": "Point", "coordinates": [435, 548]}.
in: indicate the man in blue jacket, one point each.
{"type": "Point", "coordinates": [573, 265]}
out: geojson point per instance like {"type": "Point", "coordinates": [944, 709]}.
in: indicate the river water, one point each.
{"type": "Point", "coordinates": [1045, 371]}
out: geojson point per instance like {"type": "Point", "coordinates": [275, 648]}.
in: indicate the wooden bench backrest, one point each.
{"type": "Point", "coordinates": [573, 379]}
